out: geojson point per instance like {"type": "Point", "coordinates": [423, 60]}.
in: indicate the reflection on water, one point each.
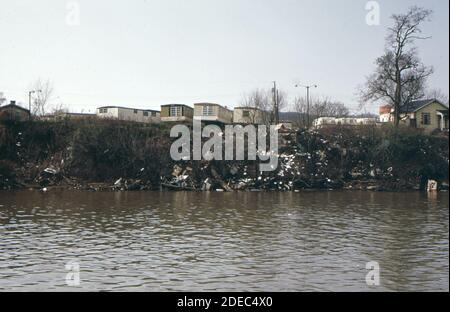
{"type": "Point", "coordinates": [153, 241]}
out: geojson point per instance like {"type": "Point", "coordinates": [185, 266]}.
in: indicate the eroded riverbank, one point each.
{"type": "Point", "coordinates": [113, 155]}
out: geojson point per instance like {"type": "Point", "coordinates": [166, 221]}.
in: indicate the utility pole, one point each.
{"type": "Point", "coordinates": [275, 103]}
{"type": "Point", "coordinates": [307, 102]}
{"type": "Point", "coordinates": [307, 106]}
{"type": "Point", "coordinates": [277, 116]}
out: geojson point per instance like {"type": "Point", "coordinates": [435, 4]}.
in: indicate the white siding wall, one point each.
{"type": "Point", "coordinates": [328, 121]}
{"type": "Point", "coordinates": [385, 117]}
{"type": "Point", "coordinates": [111, 113]}
{"type": "Point", "coordinates": [130, 115]}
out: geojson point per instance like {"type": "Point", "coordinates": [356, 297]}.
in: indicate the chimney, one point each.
{"type": "Point", "coordinates": [386, 109]}
{"type": "Point", "coordinates": [12, 102]}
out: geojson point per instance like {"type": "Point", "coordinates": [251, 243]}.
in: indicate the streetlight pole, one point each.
{"type": "Point", "coordinates": [307, 100]}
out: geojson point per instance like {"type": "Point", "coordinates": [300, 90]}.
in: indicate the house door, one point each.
{"type": "Point", "coordinates": [413, 123]}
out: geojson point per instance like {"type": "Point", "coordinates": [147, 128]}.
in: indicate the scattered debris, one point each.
{"type": "Point", "coordinates": [309, 160]}
{"type": "Point", "coordinates": [354, 159]}
{"type": "Point", "coordinates": [432, 186]}
{"type": "Point", "coordinates": [49, 176]}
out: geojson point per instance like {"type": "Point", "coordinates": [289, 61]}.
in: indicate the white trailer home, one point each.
{"type": "Point", "coordinates": [347, 121]}
{"type": "Point", "coordinates": [129, 114]}
{"type": "Point", "coordinates": [210, 112]}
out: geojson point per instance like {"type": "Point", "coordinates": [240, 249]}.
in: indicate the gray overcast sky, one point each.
{"type": "Point", "coordinates": [147, 53]}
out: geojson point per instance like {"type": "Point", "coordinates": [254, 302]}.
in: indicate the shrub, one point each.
{"type": "Point", "coordinates": [6, 170]}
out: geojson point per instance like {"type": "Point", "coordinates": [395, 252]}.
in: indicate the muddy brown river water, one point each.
{"type": "Point", "coordinates": [162, 241]}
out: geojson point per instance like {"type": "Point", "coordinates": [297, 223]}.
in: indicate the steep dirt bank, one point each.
{"type": "Point", "coordinates": [113, 155]}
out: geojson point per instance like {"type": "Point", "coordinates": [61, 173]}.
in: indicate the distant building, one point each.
{"type": "Point", "coordinates": [129, 114]}
{"type": "Point", "coordinates": [287, 125]}
{"type": "Point", "coordinates": [385, 113]}
{"type": "Point", "coordinates": [75, 115]}
{"type": "Point", "coordinates": [176, 113]}
{"type": "Point", "coordinates": [250, 115]}
{"type": "Point", "coordinates": [210, 112]}
{"type": "Point", "coordinates": [14, 112]}
{"type": "Point", "coordinates": [346, 121]}
{"type": "Point", "coordinates": [67, 115]}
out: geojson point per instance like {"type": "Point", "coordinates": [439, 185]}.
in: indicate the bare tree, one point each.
{"type": "Point", "coordinates": [326, 107]}
{"type": "Point", "coordinates": [300, 107]}
{"type": "Point", "coordinates": [258, 102]}
{"type": "Point", "coordinates": [42, 97]}
{"type": "Point", "coordinates": [437, 94]}
{"type": "Point", "coordinates": [319, 107]}
{"type": "Point", "coordinates": [59, 108]}
{"type": "Point", "coordinates": [400, 76]}
{"type": "Point", "coordinates": [2, 98]}
{"type": "Point", "coordinates": [282, 100]}
{"type": "Point", "coordinates": [336, 108]}
{"type": "Point", "coordinates": [261, 102]}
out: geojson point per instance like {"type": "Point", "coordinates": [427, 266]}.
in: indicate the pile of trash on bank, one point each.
{"type": "Point", "coordinates": [53, 177]}
{"type": "Point", "coordinates": [312, 160]}
{"type": "Point", "coordinates": [367, 158]}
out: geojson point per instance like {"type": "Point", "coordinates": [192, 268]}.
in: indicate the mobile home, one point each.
{"type": "Point", "coordinates": [129, 114]}
{"type": "Point", "coordinates": [210, 112]}
{"type": "Point", "coordinates": [176, 113]}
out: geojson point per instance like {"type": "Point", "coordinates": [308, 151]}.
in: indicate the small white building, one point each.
{"type": "Point", "coordinates": [386, 113]}
{"type": "Point", "coordinates": [347, 121]}
{"type": "Point", "coordinates": [129, 114]}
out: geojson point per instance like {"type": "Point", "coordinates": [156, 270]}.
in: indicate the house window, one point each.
{"type": "Point", "coordinates": [246, 113]}
{"type": "Point", "coordinates": [426, 119]}
{"type": "Point", "coordinates": [208, 110]}
{"type": "Point", "coordinates": [103, 110]}
{"type": "Point", "coordinates": [135, 111]}
{"type": "Point", "coordinates": [145, 113]}
{"type": "Point", "coordinates": [153, 114]}
{"type": "Point", "coordinates": [175, 111]}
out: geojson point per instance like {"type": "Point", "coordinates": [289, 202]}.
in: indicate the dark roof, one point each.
{"type": "Point", "coordinates": [416, 105]}
{"type": "Point", "coordinates": [212, 104]}
{"type": "Point", "coordinates": [250, 107]}
{"type": "Point", "coordinates": [174, 104]}
{"type": "Point", "coordinates": [14, 106]}
{"type": "Point", "coordinates": [123, 107]}
{"type": "Point", "coordinates": [78, 114]}
{"type": "Point", "coordinates": [207, 103]}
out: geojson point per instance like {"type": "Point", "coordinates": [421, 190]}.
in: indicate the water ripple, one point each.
{"type": "Point", "coordinates": [151, 241]}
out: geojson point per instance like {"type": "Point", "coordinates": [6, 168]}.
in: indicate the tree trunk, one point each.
{"type": "Point", "coordinates": [398, 98]}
